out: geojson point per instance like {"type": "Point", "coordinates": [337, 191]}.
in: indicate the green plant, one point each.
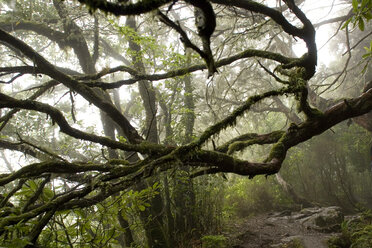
{"type": "Point", "coordinates": [356, 233]}
{"type": "Point", "coordinates": [362, 12]}
{"type": "Point", "coordinates": [294, 243]}
{"type": "Point", "coordinates": [214, 241]}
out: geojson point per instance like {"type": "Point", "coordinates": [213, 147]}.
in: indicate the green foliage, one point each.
{"type": "Point", "coordinates": [368, 55]}
{"type": "Point", "coordinates": [122, 139]}
{"type": "Point", "coordinates": [90, 227]}
{"type": "Point", "coordinates": [368, 51]}
{"type": "Point", "coordinates": [332, 169]}
{"type": "Point", "coordinates": [83, 228]}
{"type": "Point", "coordinates": [208, 207]}
{"type": "Point", "coordinates": [362, 12]}
{"type": "Point", "coordinates": [245, 197]}
{"type": "Point", "coordinates": [139, 200]}
{"type": "Point", "coordinates": [356, 233]}
{"type": "Point", "coordinates": [214, 241]}
{"type": "Point", "coordinates": [210, 200]}
{"type": "Point", "coordinates": [294, 243]}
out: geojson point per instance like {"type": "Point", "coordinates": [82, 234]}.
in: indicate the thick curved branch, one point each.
{"type": "Point", "coordinates": [36, 194]}
{"type": "Point", "coordinates": [57, 117]}
{"type": "Point", "coordinates": [37, 169]}
{"type": "Point", "coordinates": [5, 201]}
{"type": "Point", "coordinates": [295, 135]}
{"type": "Point", "coordinates": [310, 59]}
{"type": "Point", "coordinates": [218, 162]}
{"type": "Point", "coordinates": [347, 109]}
{"type": "Point", "coordinates": [10, 220]}
{"type": "Point", "coordinates": [66, 200]}
{"type": "Point", "coordinates": [231, 119]}
{"type": "Point", "coordinates": [39, 28]}
{"type": "Point", "coordinates": [26, 69]}
{"type": "Point", "coordinates": [36, 230]}
{"type": "Point", "coordinates": [75, 38]}
{"type": "Point", "coordinates": [245, 140]}
{"type": "Point", "coordinates": [267, 11]}
{"type": "Point", "coordinates": [89, 94]}
{"type": "Point", "coordinates": [225, 163]}
{"type": "Point", "coordinates": [184, 38]}
{"type": "Point", "coordinates": [307, 33]}
{"type": "Point", "coordinates": [23, 148]}
{"type": "Point", "coordinates": [249, 53]}
{"type": "Point", "coordinates": [42, 89]}
{"type": "Point", "coordinates": [119, 9]}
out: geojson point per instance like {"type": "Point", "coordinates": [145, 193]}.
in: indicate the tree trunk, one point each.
{"type": "Point", "coordinates": [290, 191]}
{"type": "Point", "coordinates": [153, 216]}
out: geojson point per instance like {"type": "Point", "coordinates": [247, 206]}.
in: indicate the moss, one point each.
{"type": "Point", "coordinates": [238, 146]}
{"type": "Point", "coordinates": [294, 243]}
{"type": "Point", "coordinates": [255, 139]}
{"type": "Point", "coordinates": [278, 150]}
{"type": "Point", "coordinates": [340, 241]}
{"type": "Point", "coordinates": [214, 241]}
{"type": "Point", "coordinates": [152, 148]}
{"type": "Point", "coordinates": [231, 119]}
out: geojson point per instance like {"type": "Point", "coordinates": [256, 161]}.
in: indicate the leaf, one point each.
{"type": "Point", "coordinates": [368, 16]}
{"type": "Point", "coordinates": [364, 3]}
{"type": "Point", "coordinates": [364, 56]}
{"type": "Point", "coordinates": [361, 24]}
{"type": "Point", "coordinates": [355, 5]}
{"type": "Point", "coordinates": [48, 193]}
{"type": "Point", "coordinates": [33, 185]}
{"type": "Point", "coordinates": [346, 23]}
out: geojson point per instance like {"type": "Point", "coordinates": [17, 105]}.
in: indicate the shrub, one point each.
{"type": "Point", "coordinates": [214, 241]}
{"type": "Point", "coordinates": [356, 233]}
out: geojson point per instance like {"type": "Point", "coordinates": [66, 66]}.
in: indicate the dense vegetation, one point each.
{"type": "Point", "coordinates": [150, 123]}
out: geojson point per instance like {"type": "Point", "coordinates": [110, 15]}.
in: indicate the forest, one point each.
{"type": "Point", "coordinates": [170, 123]}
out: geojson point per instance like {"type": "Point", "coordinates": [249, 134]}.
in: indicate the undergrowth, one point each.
{"type": "Point", "coordinates": [356, 233]}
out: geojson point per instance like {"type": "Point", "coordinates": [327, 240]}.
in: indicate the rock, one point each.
{"type": "Point", "coordinates": [279, 245]}
{"type": "Point", "coordinates": [298, 216]}
{"type": "Point", "coordinates": [282, 213]}
{"type": "Point", "coordinates": [292, 240]}
{"type": "Point", "coordinates": [310, 211]}
{"type": "Point", "coordinates": [327, 219]}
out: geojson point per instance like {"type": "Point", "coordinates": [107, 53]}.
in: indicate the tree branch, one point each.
{"type": "Point", "coordinates": [119, 9]}
{"type": "Point", "coordinates": [47, 68]}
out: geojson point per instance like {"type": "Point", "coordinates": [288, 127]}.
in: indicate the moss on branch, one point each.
{"type": "Point", "coordinates": [255, 140]}
{"type": "Point", "coordinates": [37, 169]}
{"type": "Point", "coordinates": [231, 119]}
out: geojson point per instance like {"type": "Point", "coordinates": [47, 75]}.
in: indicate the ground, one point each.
{"type": "Point", "coordinates": [274, 231]}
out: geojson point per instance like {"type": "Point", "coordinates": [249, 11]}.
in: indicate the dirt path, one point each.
{"type": "Point", "coordinates": [275, 230]}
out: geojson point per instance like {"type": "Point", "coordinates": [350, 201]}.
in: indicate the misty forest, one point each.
{"type": "Point", "coordinates": [186, 123]}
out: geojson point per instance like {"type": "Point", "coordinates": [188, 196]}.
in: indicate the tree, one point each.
{"type": "Point", "coordinates": [94, 167]}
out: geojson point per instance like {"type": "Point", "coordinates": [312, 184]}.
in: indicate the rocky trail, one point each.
{"type": "Point", "coordinates": [311, 227]}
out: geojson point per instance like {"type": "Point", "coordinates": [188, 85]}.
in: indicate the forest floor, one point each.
{"type": "Point", "coordinates": [275, 231]}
